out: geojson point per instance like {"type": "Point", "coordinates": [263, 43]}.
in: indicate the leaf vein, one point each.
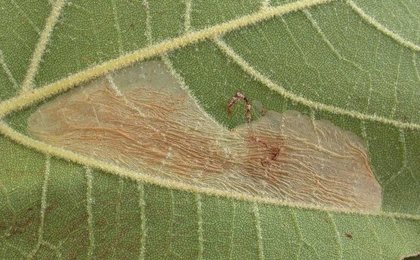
{"type": "Point", "coordinates": [328, 42]}
{"type": "Point", "coordinates": [336, 235]}
{"type": "Point", "coordinates": [23, 13]}
{"type": "Point", "coordinates": [375, 234]}
{"type": "Point", "coordinates": [404, 161]}
{"type": "Point", "coordinates": [148, 32]}
{"type": "Point", "coordinates": [370, 20]}
{"type": "Point", "coordinates": [394, 107]}
{"type": "Point", "coordinates": [117, 27]}
{"type": "Point", "coordinates": [259, 232]}
{"type": "Point", "coordinates": [299, 232]}
{"type": "Point", "coordinates": [143, 227]}
{"type": "Point", "coordinates": [89, 201]}
{"type": "Point", "coordinates": [41, 46]}
{"type": "Point", "coordinates": [43, 208]}
{"type": "Point", "coordinates": [200, 226]}
{"type": "Point", "coordinates": [187, 19]}
{"type": "Point", "coordinates": [9, 74]}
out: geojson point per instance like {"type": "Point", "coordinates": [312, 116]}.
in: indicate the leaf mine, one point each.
{"type": "Point", "coordinates": [142, 119]}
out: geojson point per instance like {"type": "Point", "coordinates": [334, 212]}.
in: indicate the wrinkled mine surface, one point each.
{"type": "Point", "coordinates": [141, 119]}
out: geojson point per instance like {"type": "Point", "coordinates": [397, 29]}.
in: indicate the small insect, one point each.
{"type": "Point", "coordinates": [274, 150]}
{"type": "Point", "coordinates": [236, 98]}
{"type": "Point", "coordinates": [348, 235]}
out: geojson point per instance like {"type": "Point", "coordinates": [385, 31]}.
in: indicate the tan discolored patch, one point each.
{"type": "Point", "coordinates": [142, 119]}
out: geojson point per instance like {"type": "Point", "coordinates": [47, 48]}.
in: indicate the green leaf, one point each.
{"type": "Point", "coordinates": [352, 62]}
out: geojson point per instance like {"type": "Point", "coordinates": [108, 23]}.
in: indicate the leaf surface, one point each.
{"type": "Point", "coordinates": [351, 62]}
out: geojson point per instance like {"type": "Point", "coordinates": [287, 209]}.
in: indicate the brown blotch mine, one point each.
{"type": "Point", "coordinates": [142, 119]}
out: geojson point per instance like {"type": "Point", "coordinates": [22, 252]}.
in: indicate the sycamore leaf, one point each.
{"type": "Point", "coordinates": [352, 62]}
